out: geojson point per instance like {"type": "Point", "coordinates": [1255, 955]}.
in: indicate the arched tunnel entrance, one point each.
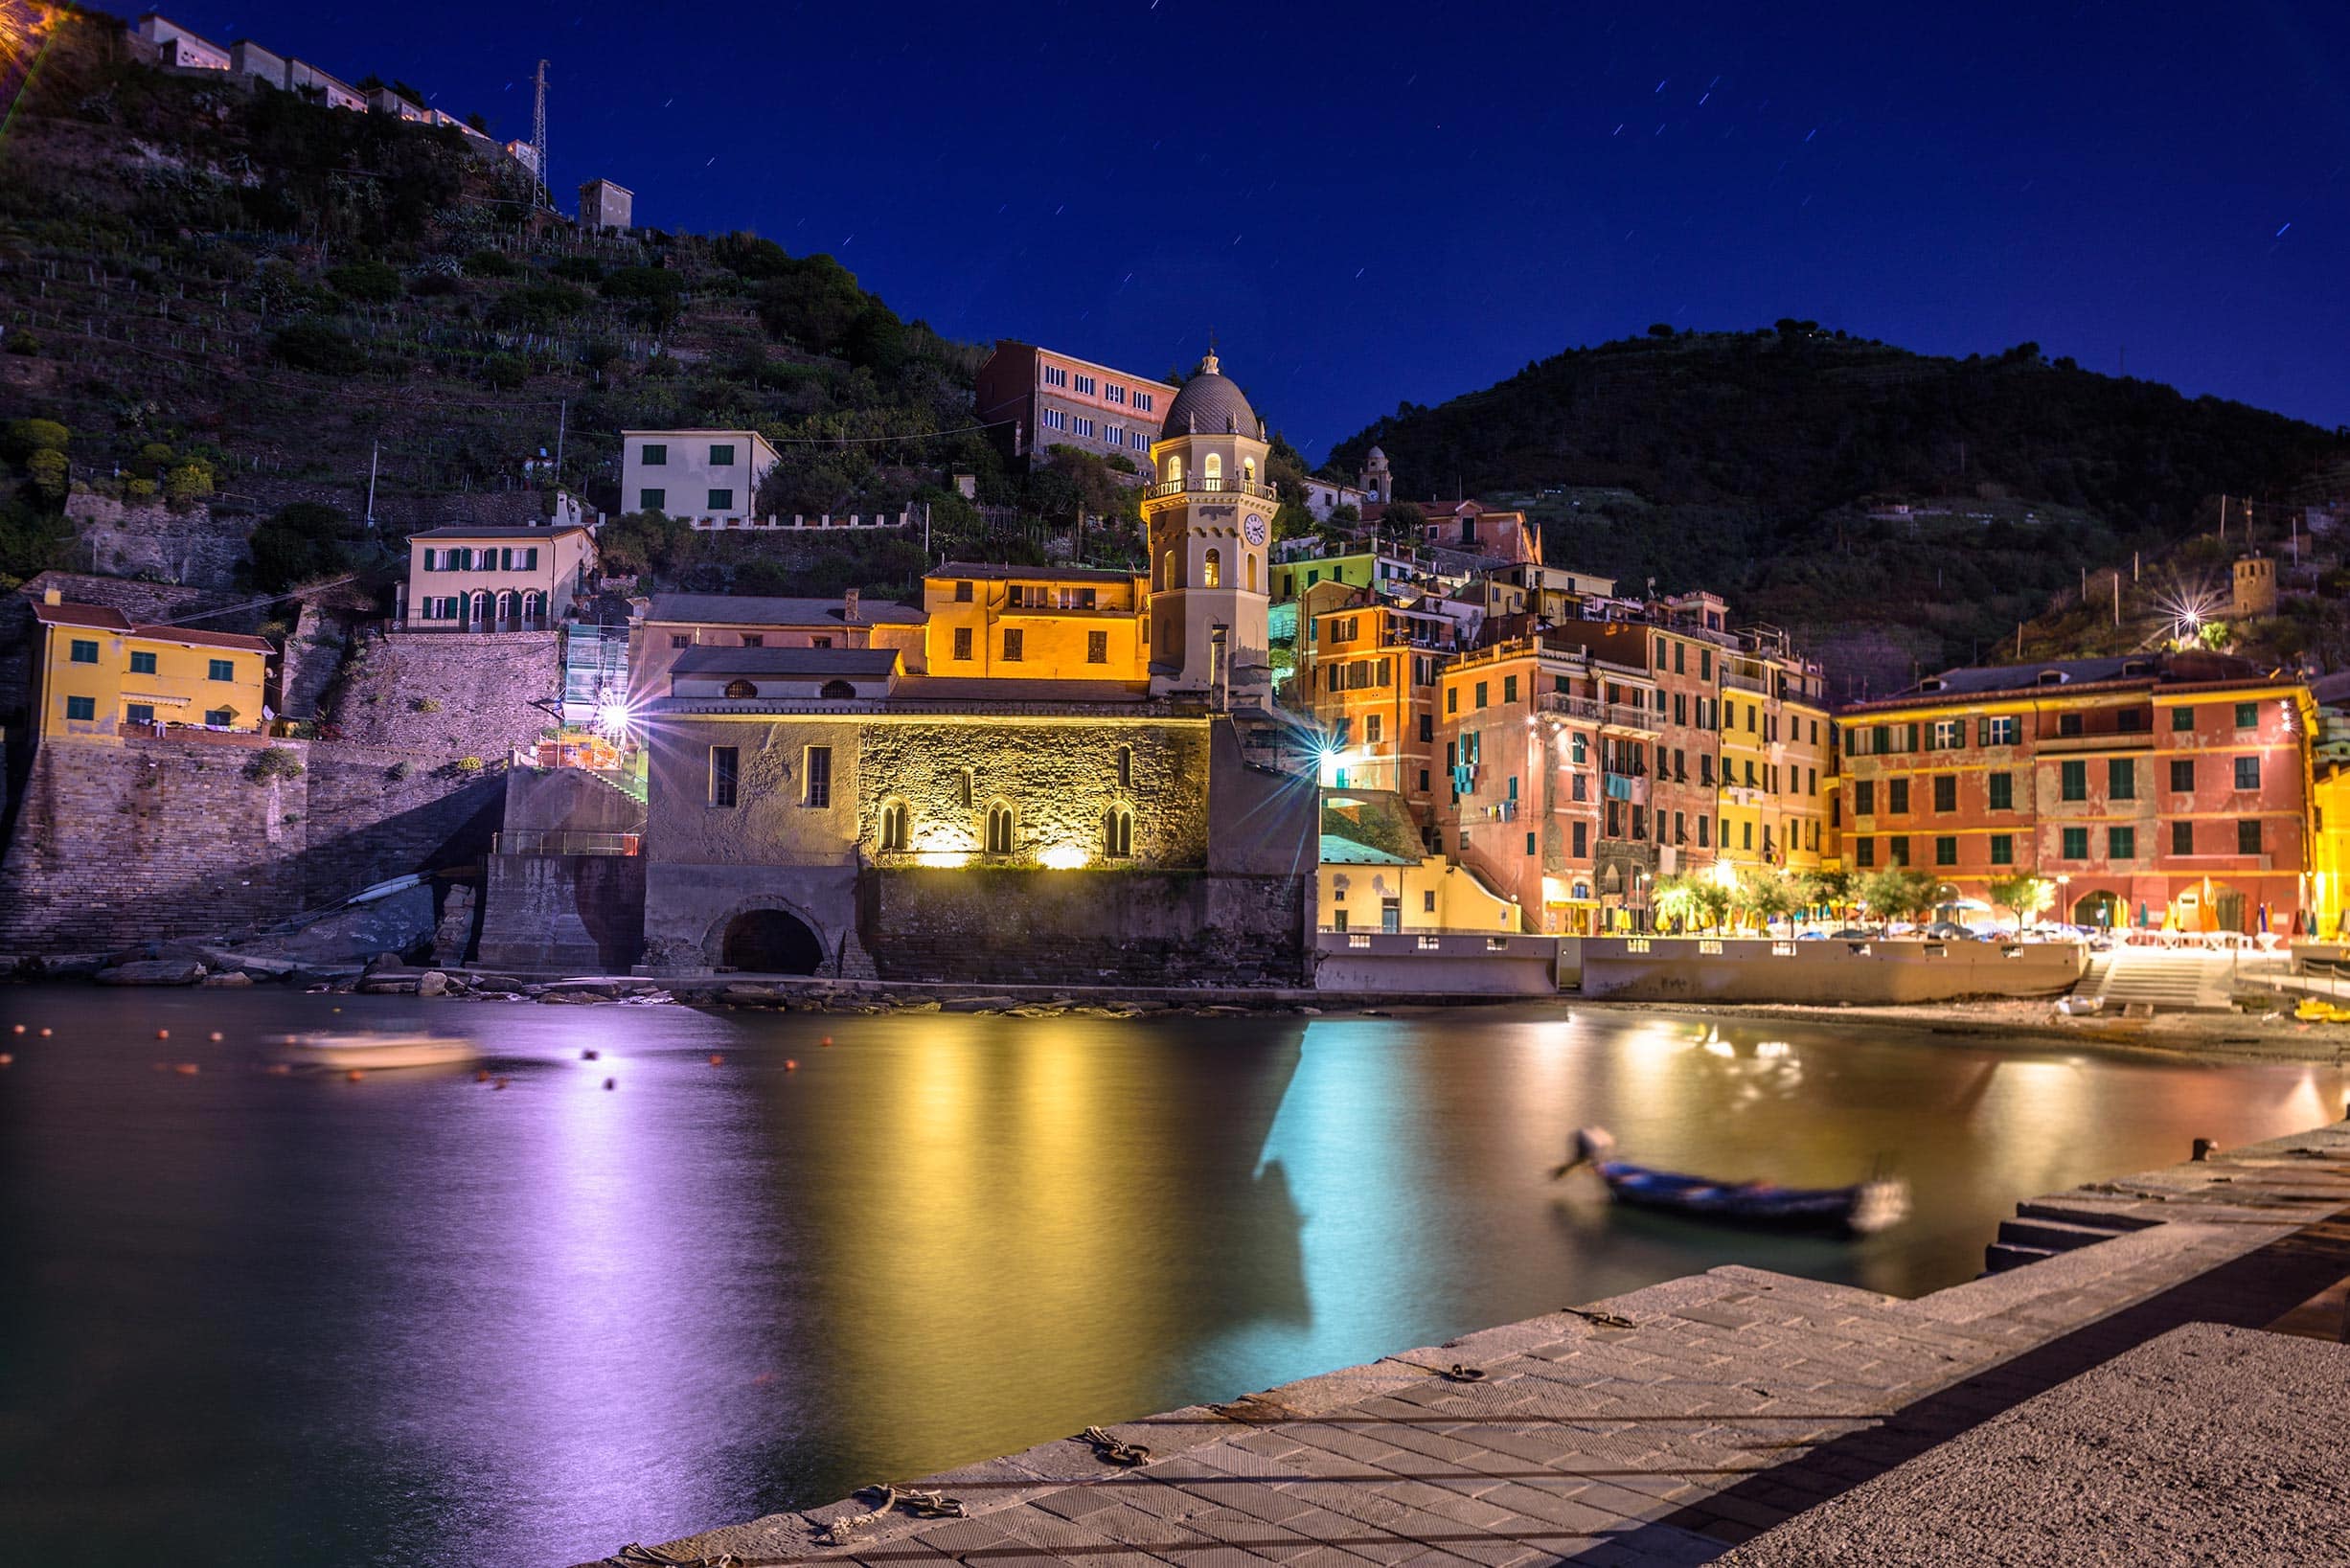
{"type": "Point", "coordinates": [771, 941]}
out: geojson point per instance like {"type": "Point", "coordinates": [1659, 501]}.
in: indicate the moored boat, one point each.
{"type": "Point", "coordinates": [1859, 1210]}
{"type": "Point", "coordinates": [370, 1053]}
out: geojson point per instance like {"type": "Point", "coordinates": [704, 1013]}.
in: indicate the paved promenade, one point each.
{"type": "Point", "coordinates": [1666, 1426]}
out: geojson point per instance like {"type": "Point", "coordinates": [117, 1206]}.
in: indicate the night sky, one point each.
{"type": "Point", "coordinates": [1369, 202]}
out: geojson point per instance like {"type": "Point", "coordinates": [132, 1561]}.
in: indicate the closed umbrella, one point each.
{"type": "Point", "coordinates": [2142, 919]}
{"type": "Point", "coordinates": [2264, 919]}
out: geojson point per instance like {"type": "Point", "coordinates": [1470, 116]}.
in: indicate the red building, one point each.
{"type": "Point", "coordinates": [2156, 789]}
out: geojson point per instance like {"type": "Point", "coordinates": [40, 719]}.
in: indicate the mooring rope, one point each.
{"type": "Point", "coordinates": [1111, 1451]}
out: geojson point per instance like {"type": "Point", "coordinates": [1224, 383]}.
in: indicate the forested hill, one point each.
{"type": "Point", "coordinates": [1749, 462]}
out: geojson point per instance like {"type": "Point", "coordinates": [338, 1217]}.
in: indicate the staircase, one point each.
{"type": "Point", "coordinates": [2173, 980]}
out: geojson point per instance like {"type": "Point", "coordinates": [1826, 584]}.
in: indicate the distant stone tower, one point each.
{"type": "Point", "coordinates": [1376, 479]}
{"type": "Point", "coordinates": [2255, 587]}
{"type": "Point", "coordinates": [1209, 515]}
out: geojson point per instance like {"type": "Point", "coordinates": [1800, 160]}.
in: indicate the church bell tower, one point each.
{"type": "Point", "coordinates": [1208, 512]}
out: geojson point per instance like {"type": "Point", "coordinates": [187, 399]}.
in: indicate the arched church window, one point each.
{"type": "Point", "coordinates": [1169, 573]}
{"type": "Point", "coordinates": [740, 689]}
{"type": "Point", "coordinates": [1211, 569]}
{"type": "Point", "coordinates": [1249, 469]}
{"type": "Point", "coordinates": [1211, 472]}
{"type": "Point", "coordinates": [1250, 570]}
{"type": "Point", "coordinates": [897, 827]}
{"type": "Point", "coordinates": [1175, 467]}
{"type": "Point", "coordinates": [1118, 833]}
{"type": "Point", "coordinates": [999, 829]}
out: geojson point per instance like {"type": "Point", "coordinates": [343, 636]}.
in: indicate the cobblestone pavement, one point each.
{"type": "Point", "coordinates": [1665, 1426]}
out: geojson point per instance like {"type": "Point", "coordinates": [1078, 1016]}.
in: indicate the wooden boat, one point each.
{"type": "Point", "coordinates": [372, 1053]}
{"type": "Point", "coordinates": [1858, 1210]}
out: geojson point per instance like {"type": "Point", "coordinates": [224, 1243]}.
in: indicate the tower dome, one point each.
{"type": "Point", "coordinates": [1209, 404]}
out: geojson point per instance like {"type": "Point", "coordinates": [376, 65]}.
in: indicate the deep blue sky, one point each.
{"type": "Point", "coordinates": [1376, 202]}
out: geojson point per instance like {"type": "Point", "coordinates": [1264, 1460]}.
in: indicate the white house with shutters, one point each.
{"type": "Point", "coordinates": [699, 474]}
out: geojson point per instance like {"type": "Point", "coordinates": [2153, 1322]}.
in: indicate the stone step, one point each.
{"type": "Point", "coordinates": [2058, 1236]}
{"type": "Point", "coordinates": [2084, 1210]}
{"type": "Point", "coordinates": [1999, 1256]}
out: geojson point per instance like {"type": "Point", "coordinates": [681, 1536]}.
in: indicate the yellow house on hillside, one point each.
{"type": "Point", "coordinates": [102, 676]}
{"type": "Point", "coordinates": [495, 578]}
{"type": "Point", "coordinates": [1035, 623]}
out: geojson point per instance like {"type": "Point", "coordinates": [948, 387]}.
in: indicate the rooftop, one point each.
{"type": "Point", "coordinates": [2149, 670]}
{"type": "Point", "coordinates": [1210, 404]}
{"type": "Point", "coordinates": [100, 618]}
{"type": "Point", "coordinates": [872, 663]}
{"type": "Point", "coordinates": [988, 572]}
{"type": "Point", "coordinates": [1345, 851]}
{"type": "Point", "coordinates": [766, 610]}
{"type": "Point", "coordinates": [499, 531]}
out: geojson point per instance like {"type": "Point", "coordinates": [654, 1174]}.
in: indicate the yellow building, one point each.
{"type": "Point", "coordinates": [100, 676]}
{"type": "Point", "coordinates": [1367, 889]}
{"type": "Point", "coordinates": [2329, 900]}
{"type": "Point", "coordinates": [487, 579]}
{"type": "Point", "coordinates": [1034, 623]}
{"type": "Point", "coordinates": [1743, 803]}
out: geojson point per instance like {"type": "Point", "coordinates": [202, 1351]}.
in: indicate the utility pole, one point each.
{"type": "Point", "coordinates": [2117, 599]}
{"type": "Point", "coordinates": [539, 138]}
{"type": "Point", "coordinates": [375, 450]}
{"type": "Point", "coordinates": [562, 417]}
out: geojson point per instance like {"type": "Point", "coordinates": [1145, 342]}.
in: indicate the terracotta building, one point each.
{"type": "Point", "coordinates": [2158, 789]}
{"type": "Point", "coordinates": [1040, 399]}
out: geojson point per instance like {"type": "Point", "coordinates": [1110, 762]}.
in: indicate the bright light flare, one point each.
{"type": "Point", "coordinates": [1063, 858]}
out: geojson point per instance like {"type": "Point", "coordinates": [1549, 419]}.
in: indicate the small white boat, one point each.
{"type": "Point", "coordinates": [371, 1053]}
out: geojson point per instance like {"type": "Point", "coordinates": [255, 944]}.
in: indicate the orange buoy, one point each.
{"type": "Point", "coordinates": [353, 1075]}
{"type": "Point", "coordinates": [7, 1059]}
{"type": "Point", "coordinates": [717, 1060]}
{"type": "Point", "coordinates": [500, 1084]}
{"type": "Point", "coordinates": [46, 1032]}
{"type": "Point", "coordinates": [187, 1069]}
{"type": "Point", "coordinates": [163, 1033]}
{"type": "Point", "coordinates": [790, 1066]}
{"type": "Point", "coordinates": [17, 1029]}
{"type": "Point", "coordinates": [217, 1036]}
{"type": "Point", "coordinates": [481, 1076]}
{"type": "Point", "coordinates": [827, 1040]}
{"type": "Point", "coordinates": [611, 1083]}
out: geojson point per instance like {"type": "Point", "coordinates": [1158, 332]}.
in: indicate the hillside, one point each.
{"type": "Point", "coordinates": [236, 299]}
{"type": "Point", "coordinates": [1750, 462]}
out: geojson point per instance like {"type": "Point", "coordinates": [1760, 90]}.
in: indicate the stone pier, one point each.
{"type": "Point", "coordinates": [1676, 1423]}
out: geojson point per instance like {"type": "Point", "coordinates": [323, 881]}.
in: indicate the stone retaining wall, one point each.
{"type": "Point", "coordinates": [1753, 969]}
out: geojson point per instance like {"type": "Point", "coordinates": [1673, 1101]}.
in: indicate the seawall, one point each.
{"type": "Point", "coordinates": [1667, 1425]}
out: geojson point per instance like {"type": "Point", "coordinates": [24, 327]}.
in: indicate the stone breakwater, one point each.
{"type": "Point", "coordinates": [1671, 1425]}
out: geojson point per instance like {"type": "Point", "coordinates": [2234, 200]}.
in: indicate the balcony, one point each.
{"type": "Point", "coordinates": [1734, 682]}
{"type": "Point", "coordinates": [1626, 786]}
{"type": "Point", "coordinates": [1208, 484]}
{"type": "Point", "coordinates": [1621, 717]}
{"type": "Point", "coordinates": [1570, 707]}
{"type": "Point", "coordinates": [2109, 741]}
{"type": "Point", "coordinates": [557, 841]}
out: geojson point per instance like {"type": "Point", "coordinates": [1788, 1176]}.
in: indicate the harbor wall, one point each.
{"type": "Point", "coordinates": [1823, 973]}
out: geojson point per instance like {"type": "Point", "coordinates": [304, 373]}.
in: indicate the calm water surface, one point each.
{"type": "Point", "coordinates": [412, 1320]}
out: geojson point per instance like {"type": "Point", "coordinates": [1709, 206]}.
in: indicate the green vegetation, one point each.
{"type": "Point", "coordinates": [1749, 463]}
{"type": "Point", "coordinates": [275, 763]}
{"type": "Point", "coordinates": [300, 543]}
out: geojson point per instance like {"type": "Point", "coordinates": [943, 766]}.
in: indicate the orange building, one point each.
{"type": "Point", "coordinates": [1374, 675]}
{"type": "Point", "coordinates": [1041, 400]}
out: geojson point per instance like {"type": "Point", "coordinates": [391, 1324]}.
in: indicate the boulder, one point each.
{"type": "Point", "coordinates": [153, 971]}
{"type": "Point", "coordinates": [455, 929]}
{"type": "Point", "coordinates": [432, 983]}
{"type": "Point", "coordinates": [231, 977]}
{"type": "Point", "coordinates": [979, 1004]}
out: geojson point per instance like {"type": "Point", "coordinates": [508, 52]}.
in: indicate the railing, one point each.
{"type": "Point", "coordinates": [1746, 683]}
{"type": "Point", "coordinates": [1559, 702]}
{"type": "Point", "coordinates": [562, 841]}
{"type": "Point", "coordinates": [1629, 719]}
{"type": "Point", "coordinates": [2109, 741]}
{"type": "Point", "coordinates": [1209, 484]}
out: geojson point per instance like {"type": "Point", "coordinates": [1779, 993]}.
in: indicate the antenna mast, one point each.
{"type": "Point", "coordinates": [538, 139]}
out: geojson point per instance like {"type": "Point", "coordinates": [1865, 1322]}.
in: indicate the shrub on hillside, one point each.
{"type": "Point", "coordinates": [505, 370]}
{"type": "Point", "coordinates": [579, 269]}
{"type": "Point", "coordinates": [276, 763]}
{"type": "Point", "coordinates": [654, 296]}
{"type": "Point", "coordinates": [311, 344]}
{"type": "Point", "coordinates": [300, 542]}
{"type": "Point", "coordinates": [537, 305]}
{"type": "Point", "coordinates": [369, 282]}
{"type": "Point", "coordinates": [20, 439]}
{"type": "Point", "coordinates": [490, 263]}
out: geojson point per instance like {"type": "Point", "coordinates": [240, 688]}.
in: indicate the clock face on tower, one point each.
{"type": "Point", "coordinates": [1254, 528]}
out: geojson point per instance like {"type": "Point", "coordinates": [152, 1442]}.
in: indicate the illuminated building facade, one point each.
{"type": "Point", "coordinates": [1035, 623]}
{"type": "Point", "coordinates": [1037, 398]}
{"type": "Point", "coordinates": [2158, 789]}
{"type": "Point", "coordinates": [1374, 682]}
{"type": "Point", "coordinates": [672, 624]}
{"type": "Point", "coordinates": [1208, 516]}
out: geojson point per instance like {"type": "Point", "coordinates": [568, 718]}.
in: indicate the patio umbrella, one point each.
{"type": "Point", "coordinates": [1975, 905]}
{"type": "Point", "coordinates": [2142, 919]}
{"type": "Point", "coordinates": [2264, 919]}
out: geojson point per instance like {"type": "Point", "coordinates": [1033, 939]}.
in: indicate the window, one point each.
{"type": "Point", "coordinates": [721, 501]}
{"type": "Point", "coordinates": [2182, 719]}
{"type": "Point", "coordinates": [2248, 773]}
{"type": "Point", "coordinates": [652, 500]}
{"type": "Point", "coordinates": [1897, 796]}
{"type": "Point", "coordinates": [1946, 792]}
{"type": "Point", "coordinates": [225, 670]}
{"type": "Point", "coordinates": [1055, 376]}
{"type": "Point", "coordinates": [754, 639]}
{"type": "Point", "coordinates": [897, 835]}
{"type": "Point", "coordinates": [1947, 734]}
{"type": "Point", "coordinates": [656, 454]}
{"type": "Point", "coordinates": [1746, 838]}
{"type": "Point", "coordinates": [81, 708]}
{"type": "Point", "coordinates": [724, 761]}
{"type": "Point", "coordinates": [1509, 689]}
{"type": "Point", "coordinates": [1211, 569]}
{"type": "Point", "coordinates": [1113, 393]}
{"type": "Point", "coordinates": [1428, 728]}
{"type": "Point", "coordinates": [84, 653]}
{"type": "Point", "coordinates": [1371, 732]}
{"type": "Point", "coordinates": [2121, 843]}
{"type": "Point", "coordinates": [2006, 730]}
{"type": "Point", "coordinates": [1126, 767]}
{"type": "Point", "coordinates": [722, 454]}
{"type": "Point", "coordinates": [739, 689]}
{"type": "Point", "coordinates": [818, 774]}
{"type": "Point", "coordinates": [1582, 839]}
{"type": "Point", "coordinates": [2002, 849]}
{"type": "Point", "coordinates": [1012, 644]}
{"type": "Point", "coordinates": [1529, 843]}
{"type": "Point", "coordinates": [2002, 791]}
{"type": "Point", "coordinates": [1865, 853]}
{"type": "Point", "coordinates": [1481, 694]}
{"type": "Point", "coordinates": [999, 829]}
{"type": "Point", "coordinates": [1863, 797]}
{"type": "Point", "coordinates": [1896, 851]}
{"type": "Point", "coordinates": [219, 718]}
{"type": "Point", "coordinates": [2247, 836]}
{"type": "Point", "coordinates": [1946, 851]}
{"type": "Point", "coordinates": [2182, 838]}
{"type": "Point", "coordinates": [142, 664]}
{"type": "Point", "coordinates": [1082, 426]}
{"type": "Point", "coordinates": [2121, 778]}
{"type": "Point", "coordinates": [140, 713]}
{"type": "Point", "coordinates": [1705, 664]}
{"type": "Point", "coordinates": [2076, 844]}
{"type": "Point", "coordinates": [2133, 720]}
{"type": "Point", "coordinates": [1705, 827]}
{"type": "Point", "coordinates": [2248, 716]}
{"type": "Point", "coordinates": [2183, 775]}
{"type": "Point", "coordinates": [2072, 781]}
{"type": "Point", "coordinates": [1096, 648]}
